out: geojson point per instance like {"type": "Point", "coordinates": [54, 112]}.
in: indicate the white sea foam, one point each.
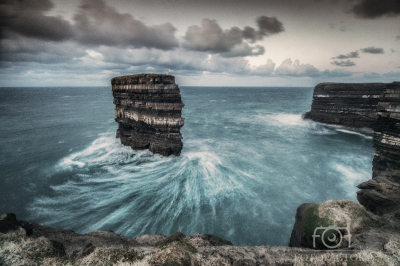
{"type": "Point", "coordinates": [354, 133]}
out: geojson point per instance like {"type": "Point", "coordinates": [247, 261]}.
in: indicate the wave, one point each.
{"type": "Point", "coordinates": [347, 131]}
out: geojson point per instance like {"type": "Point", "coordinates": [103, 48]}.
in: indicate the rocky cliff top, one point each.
{"type": "Point", "coordinates": [143, 79]}
{"type": "Point", "coordinates": [23, 243]}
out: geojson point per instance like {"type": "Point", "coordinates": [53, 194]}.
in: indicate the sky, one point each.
{"type": "Point", "coordinates": [297, 43]}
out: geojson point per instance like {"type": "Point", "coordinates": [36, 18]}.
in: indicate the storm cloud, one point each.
{"type": "Point", "coordinates": [371, 9]}
{"type": "Point", "coordinates": [373, 50]}
{"type": "Point", "coordinates": [347, 63]}
{"type": "Point", "coordinates": [26, 17]}
{"type": "Point", "coordinates": [95, 24]}
{"type": "Point", "coordinates": [99, 24]}
{"type": "Point", "coordinates": [210, 37]}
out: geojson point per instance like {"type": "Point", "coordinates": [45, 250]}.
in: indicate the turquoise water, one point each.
{"type": "Point", "coordinates": [248, 162]}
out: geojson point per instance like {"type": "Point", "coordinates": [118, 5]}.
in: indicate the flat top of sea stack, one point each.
{"type": "Point", "coordinates": [145, 75]}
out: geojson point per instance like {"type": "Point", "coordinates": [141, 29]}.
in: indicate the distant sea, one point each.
{"type": "Point", "coordinates": [248, 161]}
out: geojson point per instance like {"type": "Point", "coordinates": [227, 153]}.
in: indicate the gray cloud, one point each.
{"type": "Point", "coordinates": [268, 26]}
{"type": "Point", "coordinates": [347, 63]}
{"type": "Point", "coordinates": [385, 76]}
{"type": "Point", "coordinates": [376, 8]}
{"type": "Point", "coordinates": [99, 24]}
{"type": "Point", "coordinates": [398, 38]}
{"type": "Point", "coordinates": [210, 37]}
{"type": "Point", "coordinates": [354, 54]}
{"type": "Point", "coordinates": [373, 50]}
{"type": "Point", "coordinates": [244, 49]}
{"type": "Point", "coordinates": [288, 68]}
{"type": "Point", "coordinates": [95, 24]}
{"type": "Point", "coordinates": [28, 18]}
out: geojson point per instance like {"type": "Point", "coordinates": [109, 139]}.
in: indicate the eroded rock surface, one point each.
{"type": "Point", "coordinates": [381, 194]}
{"type": "Point", "coordinates": [347, 104]}
{"type": "Point", "coordinates": [148, 111]}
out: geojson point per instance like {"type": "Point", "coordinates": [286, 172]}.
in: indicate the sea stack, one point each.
{"type": "Point", "coordinates": [381, 194]}
{"type": "Point", "coordinates": [346, 104]}
{"type": "Point", "coordinates": [148, 112]}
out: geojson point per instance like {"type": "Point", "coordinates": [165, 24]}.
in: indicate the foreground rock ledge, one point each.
{"type": "Point", "coordinates": [148, 112]}
{"type": "Point", "coordinates": [106, 247]}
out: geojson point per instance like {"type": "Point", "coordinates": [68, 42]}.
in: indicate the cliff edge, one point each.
{"type": "Point", "coordinates": [381, 194]}
{"type": "Point", "coordinates": [148, 112]}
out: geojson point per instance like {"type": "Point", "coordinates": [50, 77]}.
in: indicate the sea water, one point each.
{"type": "Point", "coordinates": [248, 161]}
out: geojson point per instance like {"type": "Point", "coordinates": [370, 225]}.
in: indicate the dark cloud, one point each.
{"type": "Point", "coordinates": [268, 26]}
{"type": "Point", "coordinates": [354, 54]}
{"type": "Point", "coordinates": [398, 38]}
{"type": "Point", "coordinates": [376, 8]}
{"type": "Point", "coordinates": [26, 17]}
{"type": "Point", "coordinates": [373, 50]}
{"type": "Point", "coordinates": [95, 24]}
{"type": "Point", "coordinates": [347, 63]}
{"type": "Point", "coordinates": [99, 24]}
{"type": "Point", "coordinates": [210, 37]}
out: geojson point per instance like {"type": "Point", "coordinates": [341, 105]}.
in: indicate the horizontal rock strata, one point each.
{"type": "Point", "coordinates": [347, 104]}
{"type": "Point", "coordinates": [148, 111]}
{"type": "Point", "coordinates": [381, 194]}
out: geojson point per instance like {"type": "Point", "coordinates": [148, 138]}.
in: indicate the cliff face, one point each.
{"type": "Point", "coordinates": [381, 194]}
{"type": "Point", "coordinates": [148, 111]}
{"type": "Point", "coordinates": [347, 104]}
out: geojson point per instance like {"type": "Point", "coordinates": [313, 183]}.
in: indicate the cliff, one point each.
{"type": "Point", "coordinates": [381, 194]}
{"type": "Point", "coordinates": [347, 104]}
{"type": "Point", "coordinates": [148, 112]}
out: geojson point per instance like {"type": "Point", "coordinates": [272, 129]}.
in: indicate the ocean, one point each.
{"type": "Point", "coordinates": [248, 161]}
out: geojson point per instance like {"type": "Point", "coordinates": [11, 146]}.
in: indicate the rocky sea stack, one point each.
{"type": "Point", "coordinates": [347, 104]}
{"type": "Point", "coordinates": [148, 111]}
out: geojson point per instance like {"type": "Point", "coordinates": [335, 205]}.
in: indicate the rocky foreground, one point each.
{"type": "Point", "coordinates": [375, 240]}
{"type": "Point", "coordinates": [148, 112]}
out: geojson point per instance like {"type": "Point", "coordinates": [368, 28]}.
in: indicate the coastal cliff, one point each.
{"type": "Point", "coordinates": [347, 104]}
{"type": "Point", "coordinates": [381, 194]}
{"type": "Point", "coordinates": [148, 112]}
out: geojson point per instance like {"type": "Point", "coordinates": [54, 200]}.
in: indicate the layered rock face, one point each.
{"type": "Point", "coordinates": [381, 194]}
{"type": "Point", "coordinates": [148, 111]}
{"type": "Point", "coordinates": [347, 104]}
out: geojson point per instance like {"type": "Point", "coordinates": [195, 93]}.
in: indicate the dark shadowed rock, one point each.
{"type": "Point", "coordinates": [9, 222]}
{"type": "Point", "coordinates": [148, 111]}
{"type": "Point", "coordinates": [298, 237]}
